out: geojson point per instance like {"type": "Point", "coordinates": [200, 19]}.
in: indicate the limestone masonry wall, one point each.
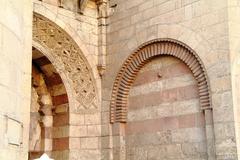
{"type": "Point", "coordinates": [15, 78]}
{"type": "Point", "coordinates": [203, 26]}
{"type": "Point", "coordinates": [104, 101]}
{"type": "Point", "coordinates": [164, 116]}
{"type": "Point", "coordinates": [77, 135]}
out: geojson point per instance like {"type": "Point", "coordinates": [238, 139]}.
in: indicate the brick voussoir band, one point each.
{"type": "Point", "coordinates": [142, 55]}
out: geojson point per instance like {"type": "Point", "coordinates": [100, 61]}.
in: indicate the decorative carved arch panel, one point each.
{"type": "Point", "coordinates": [70, 59]}
{"type": "Point", "coordinates": [147, 51]}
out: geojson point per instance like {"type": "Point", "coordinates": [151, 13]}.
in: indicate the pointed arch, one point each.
{"type": "Point", "coordinates": [77, 74]}
{"type": "Point", "coordinates": [69, 58]}
{"type": "Point", "coordinates": [142, 55]}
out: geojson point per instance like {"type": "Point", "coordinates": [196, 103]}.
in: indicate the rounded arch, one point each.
{"type": "Point", "coordinates": [68, 59]}
{"type": "Point", "coordinates": [140, 57]}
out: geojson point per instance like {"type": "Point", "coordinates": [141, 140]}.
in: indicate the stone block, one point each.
{"type": "Point", "coordinates": [78, 131]}
{"type": "Point", "coordinates": [60, 144]}
{"type": "Point", "coordinates": [94, 130]}
{"type": "Point", "coordinates": [59, 132]}
{"type": "Point", "coordinates": [52, 2]}
{"type": "Point", "coordinates": [89, 143]}
{"type": "Point", "coordinates": [58, 90]}
{"type": "Point", "coordinates": [92, 118]}
{"type": "Point", "coordinates": [77, 119]}
{"type": "Point", "coordinates": [146, 5]}
{"type": "Point", "coordinates": [85, 154]}
{"type": "Point", "coordinates": [70, 5]}
{"type": "Point", "coordinates": [74, 143]}
{"type": "Point", "coordinates": [63, 108]}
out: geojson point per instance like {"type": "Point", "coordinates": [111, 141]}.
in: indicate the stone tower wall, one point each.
{"type": "Point", "coordinates": [15, 78]}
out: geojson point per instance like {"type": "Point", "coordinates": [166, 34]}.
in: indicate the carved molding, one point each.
{"type": "Point", "coordinates": [67, 53]}
{"type": "Point", "coordinates": [133, 64]}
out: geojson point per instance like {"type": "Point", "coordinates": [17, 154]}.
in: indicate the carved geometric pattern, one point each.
{"type": "Point", "coordinates": [65, 51]}
{"type": "Point", "coordinates": [147, 51]}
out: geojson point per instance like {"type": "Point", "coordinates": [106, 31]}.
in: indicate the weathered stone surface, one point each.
{"type": "Point", "coordinates": [173, 131]}
{"type": "Point", "coordinates": [15, 78]}
{"type": "Point", "coordinates": [73, 64]}
{"type": "Point", "coordinates": [71, 103]}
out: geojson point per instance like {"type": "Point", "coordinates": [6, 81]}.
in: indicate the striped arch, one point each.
{"type": "Point", "coordinates": [147, 51]}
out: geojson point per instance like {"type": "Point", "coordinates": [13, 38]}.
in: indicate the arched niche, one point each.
{"type": "Point", "coordinates": [76, 75]}
{"type": "Point", "coordinates": [123, 127]}
{"type": "Point", "coordinates": [139, 58]}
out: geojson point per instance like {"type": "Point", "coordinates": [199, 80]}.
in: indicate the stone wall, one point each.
{"type": "Point", "coordinates": [41, 116]}
{"type": "Point", "coordinates": [234, 50]}
{"type": "Point", "coordinates": [200, 24]}
{"type": "Point", "coordinates": [15, 78]}
{"type": "Point", "coordinates": [76, 59]}
{"type": "Point", "coordinates": [82, 28]}
{"type": "Point", "coordinates": [164, 116]}
{"type": "Point", "coordinates": [209, 28]}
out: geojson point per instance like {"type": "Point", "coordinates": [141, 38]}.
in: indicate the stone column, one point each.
{"type": "Point", "coordinates": [102, 36]}
{"type": "Point", "coordinates": [119, 142]}
{"type": "Point", "coordinates": [210, 134]}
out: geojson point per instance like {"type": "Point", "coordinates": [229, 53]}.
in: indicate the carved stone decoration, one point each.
{"type": "Point", "coordinates": [147, 51]}
{"type": "Point", "coordinates": [102, 38]}
{"type": "Point", "coordinates": [65, 51]}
